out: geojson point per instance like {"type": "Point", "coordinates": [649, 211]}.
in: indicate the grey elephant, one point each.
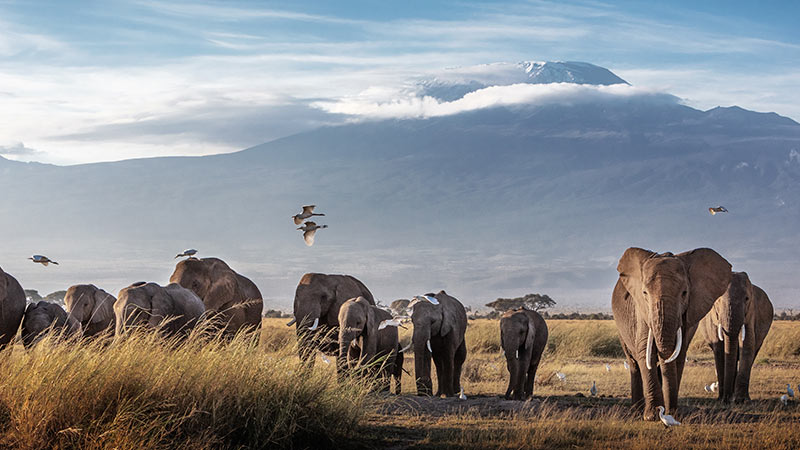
{"type": "Point", "coordinates": [439, 334]}
{"type": "Point", "coordinates": [41, 317]}
{"type": "Point", "coordinates": [742, 314]}
{"type": "Point", "coordinates": [230, 298]}
{"type": "Point", "coordinates": [360, 324]}
{"type": "Point", "coordinates": [523, 337]}
{"type": "Point", "coordinates": [317, 301]}
{"type": "Point", "coordinates": [12, 307]}
{"type": "Point", "coordinates": [92, 307]}
{"type": "Point", "coordinates": [173, 308]}
{"type": "Point", "coordinates": [658, 301]}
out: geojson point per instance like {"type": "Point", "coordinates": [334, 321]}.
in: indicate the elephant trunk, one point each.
{"type": "Point", "coordinates": [730, 333]}
{"type": "Point", "coordinates": [422, 361]}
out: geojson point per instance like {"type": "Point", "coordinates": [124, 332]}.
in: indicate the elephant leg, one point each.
{"type": "Point", "coordinates": [438, 362]}
{"type": "Point", "coordinates": [458, 365]}
{"type": "Point", "coordinates": [719, 364]}
{"type": "Point", "coordinates": [742, 389]}
{"type": "Point", "coordinates": [530, 378]}
{"type": "Point", "coordinates": [637, 393]}
{"type": "Point", "coordinates": [651, 386]}
{"type": "Point", "coordinates": [446, 378]}
{"type": "Point", "coordinates": [398, 373]}
{"type": "Point", "coordinates": [512, 365]}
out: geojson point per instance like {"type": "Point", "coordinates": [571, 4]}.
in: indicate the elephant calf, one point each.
{"type": "Point", "coordinates": [523, 336]}
{"type": "Point", "coordinates": [172, 308]}
{"type": "Point", "coordinates": [743, 314]}
{"type": "Point", "coordinates": [40, 317]}
{"type": "Point", "coordinates": [92, 307]}
{"type": "Point", "coordinates": [359, 319]}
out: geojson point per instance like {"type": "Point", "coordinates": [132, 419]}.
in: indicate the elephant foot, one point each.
{"type": "Point", "coordinates": [650, 414]}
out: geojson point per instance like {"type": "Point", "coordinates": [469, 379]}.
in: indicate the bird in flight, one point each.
{"type": "Point", "coordinates": [43, 260]}
{"type": "Point", "coordinates": [666, 419]}
{"type": "Point", "coordinates": [393, 322]}
{"type": "Point", "coordinates": [308, 211]}
{"type": "Point", "coordinates": [309, 229]}
{"type": "Point", "coordinates": [188, 252]}
{"type": "Point", "coordinates": [718, 209]}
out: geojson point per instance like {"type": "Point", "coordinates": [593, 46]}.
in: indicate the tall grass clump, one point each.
{"type": "Point", "coordinates": [143, 392]}
{"type": "Point", "coordinates": [583, 338]}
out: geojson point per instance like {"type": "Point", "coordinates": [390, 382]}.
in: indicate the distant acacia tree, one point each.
{"type": "Point", "coordinates": [56, 297]}
{"type": "Point", "coordinates": [32, 295]}
{"type": "Point", "coordinates": [534, 302]}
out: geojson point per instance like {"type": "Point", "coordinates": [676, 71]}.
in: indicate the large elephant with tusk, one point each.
{"type": "Point", "coordinates": [439, 328]}
{"type": "Point", "coordinates": [658, 301]}
{"type": "Point", "coordinates": [317, 301]}
{"type": "Point", "coordinates": [12, 307]}
{"type": "Point", "coordinates": [376, 334]}
{"type": "Point", "coordinates": [743, 314]}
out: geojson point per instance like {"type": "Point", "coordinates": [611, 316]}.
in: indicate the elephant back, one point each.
{"type": "Point", "coordinates": [12, 307]}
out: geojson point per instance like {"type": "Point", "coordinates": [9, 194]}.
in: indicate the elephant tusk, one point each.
{"type": "Point", "coordinates": [291, 322]}
{"type": "Point", "coordinates": [428, 343]}
{"type": "Point", "coordinates": [678, 345]}
{"type": "Point", "coordinates": [403, 350]}
{"type": "Point", "coordinates": [649, 349]}
{"type": "Point", "coordinates": [316, 323]}
{"type": "Point", "coordinates": [719, 332]}
{"type": "Point", "coordinates": [742, 332]}
{"type": "Point", "coordinates": [516, 354]}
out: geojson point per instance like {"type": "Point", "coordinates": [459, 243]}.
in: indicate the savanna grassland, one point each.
{"type": "Point", "coordinates": [143, 393]}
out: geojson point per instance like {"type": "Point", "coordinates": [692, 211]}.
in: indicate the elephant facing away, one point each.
{"type": "Point", "coordinates": [92, 307]}
{"type": "Point", "coordinates": [176, 310]}
{"type": "Point", "coordinates": [317, 301]}
{"type": "Point", "coordinates": [658, 301]}
{"type": "Point", "coordinates": [12, 307]}
{"type": "Point", "coordinates": [360, 321]}
{"type": "Point", "coordinates": [229, 297]}
{"type": "Point", "coordinates": [439, 334]}
{"type": "Point", "coordinates": [523, 337]}
{"type": "Point", "coordinates": [742, 314]}
{"type": "Point", "coordinates": [40, 317]}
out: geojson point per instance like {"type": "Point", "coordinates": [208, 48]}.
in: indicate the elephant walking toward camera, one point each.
{"type": "Point", "coordinates": [229, 298]}
{"type": "Point", "coordinates": [317, 301]}
{"type": "Point", "coordinates": [439, 334]}
{"type": "Point", "coordinates": [359, 324]}
{"type": "Point", "coordinates": [12, 307]}
{"type": "Point", "coordinates": [92, 307]}
{"type": "Point", "coordinates": [41, 317]}
{"type": "Point", "coordinates": [743, 314]}
{"type": "Point", "coordinates": [658, 301]}
{"type": "Point", "coordinates": [523, 337]}
{"type": "Point", "coordinates": [176, 310]}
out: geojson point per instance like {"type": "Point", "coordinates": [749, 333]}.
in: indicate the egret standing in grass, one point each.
{"type": "Point", "coordinates": [593, 390]}
{"type": "Point", "coordinates": [309, 229]}
{"type": "Point", "coordinates": [625, 364]}
{"type": "Point", "coordinates": [785, 399]}
{"type": "Point", "coordinates": [308, 212]}
{"type": "Point", "coordinates": [608, 367]}
{"type": "Point", "coordinates": [43, 260]}
{"type": "Point", "coordinates": [187, 252]}
{"type": "Point", "coordinates": [561, 376]}
{"type": "Point", "coordinates": [666, 419]}
{"type": "Point", "coordinates": [789, 390]}
{"type": "Point", "coordinates": [461, 395]}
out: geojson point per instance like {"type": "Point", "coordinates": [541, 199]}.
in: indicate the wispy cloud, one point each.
{"type": "Point", "coordinates": [17, 149]}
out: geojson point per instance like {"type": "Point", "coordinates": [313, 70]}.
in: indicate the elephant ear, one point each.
{"type": "Point", "coordinates": [449, 316]}
{"type": "Point", "coordinates": [709, 276]}
{"type": "Point", "coordinates": [103, 307]}
{"type": "Point", "coordinates": [3, 285]}
{"type": "Point", "coordinates": [370, 328]}
{"type": "Point", "coordinates": [531, 334]}
{"type": "Point", "coordinates": [630, 270]}
{"type": "Point", "coordinates": [223, 291]}
{"type": "Point", "coordinates": [161, 305]}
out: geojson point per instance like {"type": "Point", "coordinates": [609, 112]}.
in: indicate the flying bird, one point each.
{"type": "Point", "coordinates": [189, 252]}
{"type": "Point", "coordinates": [43, 260]}
{"type": "Point", "coordinates": [593, 390]}
{"type": "Point", "coordinates": [666, 419]}
{"type": "Point", "coordinates": [393, 322]}
{"type": "Point", "coordinates": [784, 399]}
{"type": "Point", "coordinates": [309, 229]}
{"type": "Point", "coordinates": [718, 209]}
{"type": "Point", "coordinates": [308, 211]}
{"type": "Point", "coordinates": [789, 390]}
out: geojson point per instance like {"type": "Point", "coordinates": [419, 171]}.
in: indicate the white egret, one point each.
{"type": "Point", "coordinates": [666, 419]}
{"type": "Point", "coordinates": [393, 322]}
{"type": "Point", "coordinates": [461, 395]}
{"type": "Point", "coordinates": [325, 358]}
{"type": "Point", "coordinates": [625, 363]}
{"type": "Point", "coordinates": [309, 230]}
{"type": "Point", "coordinates": [714, 386]}
{"type": "Point", "coordinates": [187, 252]}
{"type": "Point", "coordinates": [593, 389]}
{"type": "Point", "coordinates": [608, 368]}
{"type": "Point", "coordinates": [43, 260]}
{"type": "Point", "coordinates": [561, 376]}
{"type": "Point", "coordinates": [707, 388]}
{"type": "Point", "coordinates": [784, 399]}
{"type": "Point", "coordinates": [308, 211]}
{"type": "Point", "coordinates": [717, 209]}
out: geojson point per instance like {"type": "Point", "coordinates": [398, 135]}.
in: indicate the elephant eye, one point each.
{"type": "Point", "coordinates": [683, 293]}
{"type": "Point", "coordinates": [644, 292]}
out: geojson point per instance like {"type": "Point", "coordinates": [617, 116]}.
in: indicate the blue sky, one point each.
{"type": "Point", "coordinates": [109, 80]}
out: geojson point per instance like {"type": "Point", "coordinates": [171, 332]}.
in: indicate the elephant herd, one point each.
{"type": "Point", "coordinates": [199, 289]}
{"type": "Point", "coordinates": [660, 302]}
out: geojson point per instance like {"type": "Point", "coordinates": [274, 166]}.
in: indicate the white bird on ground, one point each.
{"type": "Point", "coordinates": [309, 229]}
{"type": "Point", "coordinates": [666, 419]}
{"type": "Point", "coordinates": [43, 260]}
{"type": "Point", "coordinates": [714, 386]}
{"type": "Point", "coordinates": [789, 390]}
{"type": "Point", "coordinates": [593, 389]}
{"type": "Point", "coordinates": [325, 358]}
{"type": "Point", "coordinates": [608, 368]}
{"type": "Point", "coordinates": [561, 376]}
{"type": "Point", "coordinates": [717, 209]}
{"type": "Point", "coordinates": [625, 363]}
{"type": "Point", "coordinates": [784, 399]}
{"type": "Point", "coordinates": [461, 395]}
{"type": "Point", "coordinates": [308, 211]}
{"type": "Point", "coordinates": [707, 388]}
{"type": "Point", "coordinates": [187, 252]}
{"type": "Point", "coordinates": [393, 322]}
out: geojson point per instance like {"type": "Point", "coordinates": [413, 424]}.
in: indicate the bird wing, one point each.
{"type": "Point", "coordinates": [297, 219]}
{"type": "Point", "coordinates": [54, 262]}
{"type": "Point", "coordinates": [310, 224]}
{"type": "Point", "coordinates": [308, 209]}
{"type": "Point", "coordinates": [711, 210]}
{"type": "Point", "coordinates": [308, 236]}
{"type": "Point", "coordinates": [45, 263]}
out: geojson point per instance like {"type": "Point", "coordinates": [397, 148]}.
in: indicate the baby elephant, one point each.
{"type": "Point", "coordinates": [173, 308]}
{"type": "Point", "coordinates": [523, 336]}
{"type": "Point", "coordinates": [39, 317]}
{"type": "Point", "coordinates": [358, 319]}
{"type": "Point", "coordinates": [92, 307]}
